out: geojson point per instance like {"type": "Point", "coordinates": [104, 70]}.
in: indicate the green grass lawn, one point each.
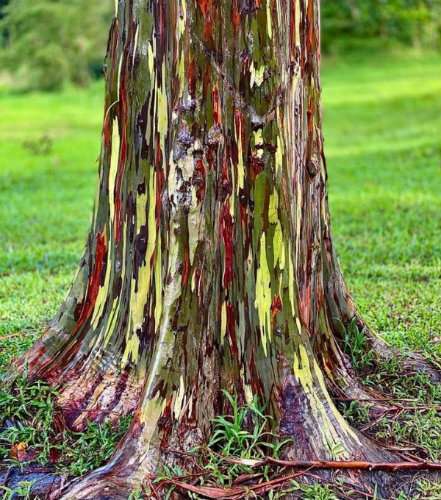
{"type": "Point", "coordinates": [383, 143]}
{"type": "Point", "coordinates": [382, 130]}
{"type": "Point", "coordinates": [45, 205]}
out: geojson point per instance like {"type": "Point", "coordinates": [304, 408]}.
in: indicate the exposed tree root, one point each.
{"type": "Point", "coordinates": [95, 393]}
{"type": "Point", "coordinates": [410, 362]}
{"type": "Point", "coordinates": [345, 385]}
{"type": "Point", "coordinates": [44, 481]}
{"type": "Point", "coordinates": [342, 312]}
{"type": "Point", "coordinates": [97, 397]}
{"type": "Point", "coordinates": [116, 480]}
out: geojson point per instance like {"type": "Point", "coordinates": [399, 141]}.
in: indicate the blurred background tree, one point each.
{"type": "Point", "coordinates": [373, 24]}
{"type": "Point", "coordinates": [49, 42]}
{"type": "Point", "coordinates": [46, 43]}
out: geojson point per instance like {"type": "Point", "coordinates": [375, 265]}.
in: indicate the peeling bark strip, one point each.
{"type": "Point", "coordinates": [209, 263]}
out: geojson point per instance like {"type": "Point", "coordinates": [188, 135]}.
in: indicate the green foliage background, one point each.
{"type": "Point", "coordinates": [46, 43]}
{"type": "Point", "coordinates": [357, 24]}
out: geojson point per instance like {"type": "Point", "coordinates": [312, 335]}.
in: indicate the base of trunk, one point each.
{"type": "Point", "coordinates": [137, 460]}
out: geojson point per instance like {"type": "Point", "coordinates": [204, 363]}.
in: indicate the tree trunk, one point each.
{"type": "Point", "coordinates": [209, 264]}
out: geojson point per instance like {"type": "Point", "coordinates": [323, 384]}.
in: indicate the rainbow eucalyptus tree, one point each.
{"type": "Point", "coordinates": [210, 264]}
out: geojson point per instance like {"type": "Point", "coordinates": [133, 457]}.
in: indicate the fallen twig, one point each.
{"type": "Point", "coordinates": [337, 464]}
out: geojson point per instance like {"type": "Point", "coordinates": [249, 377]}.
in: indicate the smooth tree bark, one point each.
{"type": "Point", "coordinates": [209, 264]}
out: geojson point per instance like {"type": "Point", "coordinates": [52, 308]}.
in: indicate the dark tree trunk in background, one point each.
{"type": "Point", "coordinates": [209, 263]}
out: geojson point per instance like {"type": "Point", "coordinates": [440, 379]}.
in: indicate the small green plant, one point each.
{"type": "Point", "coordinates": [136, 495]}
{"type": "Point", "coordinates": [23, 491]}
{"type": "Point", "coordinates": [355, 412]}
{"type": "Point", "coordinates": [314, 491]}
{"type": "Point", "coordinates": [244, 434]}
{"type": "Point", "coordinates": [166, 473]}
{"type": "Point", "coordinates": [337, 450]}
{"type": "Point", "coordinates": [238, 441]}
{"type": "Point", "coordinates": [243, 428]}
{"type": "Point", "coordinates": [428, 490]}
{"type": "Point", "coordinates": [355, 346]}
{"type": "Point", "coordinates": [169, 471]}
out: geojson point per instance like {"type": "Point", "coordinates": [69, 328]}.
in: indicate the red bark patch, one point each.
{"type": "Point", "coordinates": [206, 7]}
{"type": "Point", "coordinates": [94, 280]}
{"type": "Point", "coordinates": [107, 130]}
{"type": "Point", "coordinates": [227, 236]}
{"type": "Point", "coordinates": [292, 31]}
{"type": "Point", "coordinates": [216, 106]}
{"type": "Point", "coordinates": [276, 306]}
{"type": "Point", "coordinates": [192, 77]}
{"type": "Point", "coordinates": [225, 188]}
{"type": "Point", "coordinates": [54, 455]}
{"type": "Point", "coordinates": [257, 165]}
{"type": "Point", "coordinates": [231, 330]}
{"type": "Point", "coordinates": [165, 424]}
{"type": "Point", "coordinates": [311, 40]}
{"type": "Point", "coordinates": [199, 285]}
{"type": "Point", "coordinates": [199, 180]}
{"type": "Point", "coordinates": [235, 15]}
{"type": "Point", "coordinates": [305, 304]}
{"type": "Point", "coordinates": [33, 359]}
